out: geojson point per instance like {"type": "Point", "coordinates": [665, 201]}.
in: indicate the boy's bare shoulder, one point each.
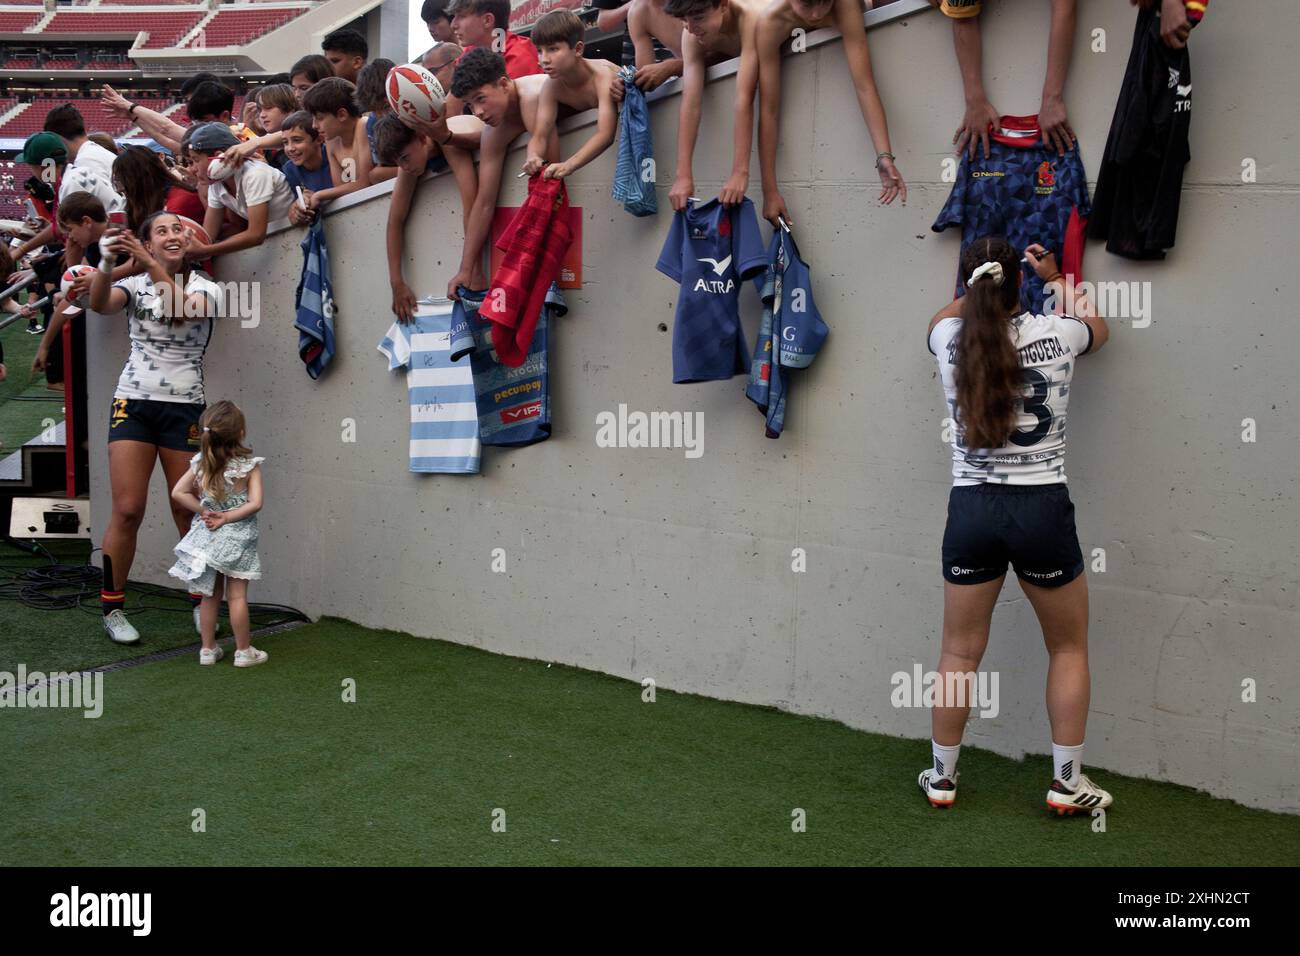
{"type": "Point", "coordinates": [751, 11]}
{"type": "Point", "coordinates": [603, 70]}
{"type": "Point", "coordinates": [779, 10]}
{"type": "Point", "coordinates": [530, 86]}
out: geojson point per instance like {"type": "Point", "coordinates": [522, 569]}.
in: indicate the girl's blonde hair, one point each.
{"type": "Point", "coordinates": [223, 432]}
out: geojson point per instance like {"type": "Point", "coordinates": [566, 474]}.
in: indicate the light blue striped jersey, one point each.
{"type": "Point", "coordinates": [444, 416]}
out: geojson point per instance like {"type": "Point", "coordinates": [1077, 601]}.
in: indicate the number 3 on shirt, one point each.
{"type": "Point", "coordinates": [1036, 405]}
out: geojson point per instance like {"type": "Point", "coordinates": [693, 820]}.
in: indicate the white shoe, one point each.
{"type": "Point", "coordinates": [211, 655]}
{"type": "Point", "coordinates": [940, 791]}
{"type": "Point", "coordinates": [250, 657]}
{"type": "Point", "coordinates": [199, 630]}
{"type": "Point", "coordinates": [1087, 796]}
{"type": "Point", "coordinates": [119, 628]}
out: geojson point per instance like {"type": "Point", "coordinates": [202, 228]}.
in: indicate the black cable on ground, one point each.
{"type": "Point", "coordinates": [61, 587]}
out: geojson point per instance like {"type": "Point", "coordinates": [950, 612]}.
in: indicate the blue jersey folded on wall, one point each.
{"type": "Point", "coordinates": [790, 333]}
{"type": "Point", "coordinates": [514, 402]}
{"type": "Point", "coordinates": [314, 303]}
{"type": "Point", "coordinates": [710, 251]}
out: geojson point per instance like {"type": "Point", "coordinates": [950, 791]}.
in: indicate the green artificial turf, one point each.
{"type": "Point", "coordinates": [74, 638]}
{"type": "Point", "coordinates": [442, 735]}
{"type": "Point", "coordinates": [21, 420]}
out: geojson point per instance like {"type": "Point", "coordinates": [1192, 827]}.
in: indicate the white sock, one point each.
{"type": "Point", "coordinates": [945, 760]}
{"type": "Point", "coordinates": [1067, 764]}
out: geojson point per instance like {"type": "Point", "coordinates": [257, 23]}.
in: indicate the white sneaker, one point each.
{"type": "Point", "coordinates": [198, 629]}
{"type": "Point", "coordinates": [211, 655]}
{"type": "Point", "coordinates": [119, 628]}
{"type": "Point", "coordinates": [940, 791]}
{"type": "Point", "coordinates": [1087, 796]}
{"type": "Point", "coordinates": [250, 657]}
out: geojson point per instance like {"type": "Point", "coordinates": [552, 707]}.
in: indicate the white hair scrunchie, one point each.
{"type": "Point", "coordinates": [993, 269]}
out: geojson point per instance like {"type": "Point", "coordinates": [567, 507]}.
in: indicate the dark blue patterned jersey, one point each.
{"type": "Point", "coordinates": [1026, 192]}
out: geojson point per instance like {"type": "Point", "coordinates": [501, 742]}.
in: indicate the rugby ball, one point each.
{"type": "Point", "coordinates": [197, 233]}
{"type": "Point", "coordinates": [414, 91]}
{"type": "Point", "coordinates": [218, 170]}
{"type": "Point", "coordinates": [66, 285]}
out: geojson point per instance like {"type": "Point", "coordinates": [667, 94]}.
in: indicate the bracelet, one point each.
{"type": "Point", "coordinates": [880, 156]}
{"type": "Point", "coordinates": [1053, 278]}
{"type": "Point", "coordinates": [130, 113]}
{"type": "Point", "coordinates": [450, 136]}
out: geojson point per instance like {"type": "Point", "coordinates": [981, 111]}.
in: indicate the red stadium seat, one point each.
{"type": "Point", "coordinates": [12, 21]}
{"type": "Point", "coordinates": [239, 26]}
{"type": "Point", "coordinates": [32, 119]}
{"type": "Point", "coordinates": [164, 29]}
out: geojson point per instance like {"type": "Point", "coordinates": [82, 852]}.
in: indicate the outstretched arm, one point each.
{"type": "Point", "coordinates": [599, 141]}
{"type": "Point", "coordinates": [543, 128]}
{"type": "Point", "coordinates": [688, 123]}
{"type": "Point", "coordinates": [252, 236]}
{"type": "Point", "coordinates": [399, 207]}
{"type": "Point", "coordinates": [848, 15]}
{"type": "Point", "coordinates": [771, 34]}
{"type": "Point", "coordinates": [980, 114]}
{"type": "Point", "coordinates": [105, 299]}
{"type": "Point", "coordinates": [733, 191]}
{"type": "Point", "coordinates": [151, 122]}
{"type": "Point", "coordinates": [492, 157]}
{"type": "Point", "coordinates": [1052, 120]}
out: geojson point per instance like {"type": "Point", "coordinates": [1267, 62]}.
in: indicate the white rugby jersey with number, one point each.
{"type": "Point", "coordinates": [1048, 346]}
{"type": "Point", "coordinates": [166, 360]}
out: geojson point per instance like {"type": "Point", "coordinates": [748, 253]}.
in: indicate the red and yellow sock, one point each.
{"type": "Point", "coordinates": [111, 601]}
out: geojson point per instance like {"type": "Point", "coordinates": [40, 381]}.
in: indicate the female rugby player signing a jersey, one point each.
{"type": "Point", "coordinates": [1007, 377]}
{"type": "Point", "coordinates": [170, 310]}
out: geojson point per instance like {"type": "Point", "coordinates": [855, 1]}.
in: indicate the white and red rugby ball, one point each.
{"type": "Point", "coordinates": [66, 284]}
{"type": "Point", "coordinates": [197, 232]}
{"type": "Point", "coordinates": [218, 169]}
{"type": "Point", "coordinates": [414, 91]}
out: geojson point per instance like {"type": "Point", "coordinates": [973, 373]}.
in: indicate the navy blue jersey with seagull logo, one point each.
{"type": "Point", "coordinates": [710, 251]}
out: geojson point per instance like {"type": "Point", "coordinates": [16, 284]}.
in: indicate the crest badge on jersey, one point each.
{"type": "Point", "coordinates": [1046, 178]}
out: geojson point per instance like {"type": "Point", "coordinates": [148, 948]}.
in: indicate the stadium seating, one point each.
{"type": "Point", "coordinates": [15, 21]}
{"type": "Point", "coordinates": [32, 119]}
{"type": "Point", "coordinates": [164, 29]}
{"type": "Point", "coordinates": [238, 26]}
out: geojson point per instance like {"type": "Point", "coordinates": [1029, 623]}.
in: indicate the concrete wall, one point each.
{"type": "Point", "coordinates": [641, 563]}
